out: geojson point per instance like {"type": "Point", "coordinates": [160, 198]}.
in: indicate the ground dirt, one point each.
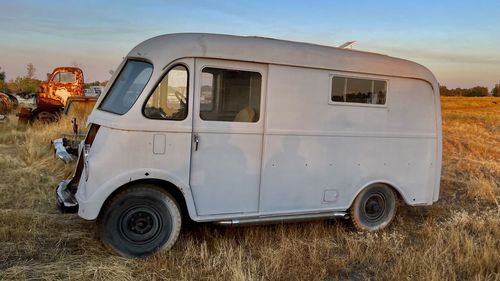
{"type": "Point", "coordinates": [458, 238]}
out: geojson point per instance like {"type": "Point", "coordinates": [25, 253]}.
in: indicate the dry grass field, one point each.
{"type": "Point", "coordinates": [456, 239]}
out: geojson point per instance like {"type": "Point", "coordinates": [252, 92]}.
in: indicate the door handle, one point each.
{"type": "Point", "coordinates": [196, 142]}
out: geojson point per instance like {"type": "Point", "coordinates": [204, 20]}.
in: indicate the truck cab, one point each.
{"type": "Point", "coordinates": [52, 95]}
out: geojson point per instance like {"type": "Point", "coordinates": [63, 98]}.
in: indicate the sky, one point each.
{"type": "Point", "coordinates": [459, 41]}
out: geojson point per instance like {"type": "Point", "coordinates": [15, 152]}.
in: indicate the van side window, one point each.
{"type": "Point", "coordinates": [358, 90]}
{"type": "Point", "coordinates": [230, 95]}
{"type": "Point", "coordinates": [169, 99]}
{"type": "Point", "coordinates": [127, 87]}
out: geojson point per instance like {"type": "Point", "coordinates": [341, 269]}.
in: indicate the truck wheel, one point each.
{"type": "Point", "coordinates": [46, 117]}
{"type": "Point", "coordinates": [140, 221]}
{"type": "Point", "coordinates": [374, 208]}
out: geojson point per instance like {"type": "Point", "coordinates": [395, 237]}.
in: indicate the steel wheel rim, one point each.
{"type": "Point", "coordinates": [374, 207]}
{"type": "Point", "coordinates": [140, 224]}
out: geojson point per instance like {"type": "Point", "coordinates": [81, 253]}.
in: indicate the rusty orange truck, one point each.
{"type": "Point", "coordinates": [62, 86]}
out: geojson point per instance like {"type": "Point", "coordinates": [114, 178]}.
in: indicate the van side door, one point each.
{"type": "Point", "coordinates": [228, 126]}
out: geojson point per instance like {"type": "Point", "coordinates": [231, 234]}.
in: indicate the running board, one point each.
{"type": "Point", "coordinates": [286, 218]}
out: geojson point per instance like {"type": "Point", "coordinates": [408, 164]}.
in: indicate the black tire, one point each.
{"type": "Point", "coordinates": [46, 117]}
{"type": "Point", "coordinates": [374, 208]}
{"type": "Point", "coordinates": [140, 221]}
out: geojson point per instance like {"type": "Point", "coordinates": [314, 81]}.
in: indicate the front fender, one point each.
{"type": "Point", "coordinates": [90, 204]}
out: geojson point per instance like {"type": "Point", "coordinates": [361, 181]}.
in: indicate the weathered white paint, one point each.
{"type": "Point", "coordinates": [305, 155]}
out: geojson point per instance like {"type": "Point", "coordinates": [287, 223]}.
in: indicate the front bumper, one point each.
{"type": "Point", "coordinates": [66, 189]}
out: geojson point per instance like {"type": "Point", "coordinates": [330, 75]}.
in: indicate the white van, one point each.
{"type": "Point", "coordinates": [239, 130]}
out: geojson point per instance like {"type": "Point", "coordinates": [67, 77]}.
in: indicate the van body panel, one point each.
{"type": "Point", "coordinates": [134, 119]}
{"type": "Point", "coordinates": [90, 205]}
{"type": "Point", "coordinates": [313, 146]}
{"type": "Point", "coordinates": [301, 101]}
{"type": "Point", "coordinates": [118, 157]}
{"type": "Point", "coordinates": [225, 173]}
{"type": "Point", "coordinates": [299, 169]}
{"type": "Point", "coordinates": [306, 154]}
{"type": "Point", "coordinates": [274, 51]}
{"type": "Point", "coordinates": [226, 160]}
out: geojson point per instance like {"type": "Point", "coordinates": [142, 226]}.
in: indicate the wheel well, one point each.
{"type": "Point", "coordinates": [165, 185]}
{"type": "Point", "coordinates": [399, 197]}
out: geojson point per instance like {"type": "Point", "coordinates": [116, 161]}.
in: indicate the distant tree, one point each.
{"type": "Point", "coordinates": [30, 70]}
{"type": "Point", "coordinates": [443, 91]}
{"type": "Point", "coordinates": [3, 84]}
{"type": "Point", "coordinates": [4, 87]}
{"type": "Point", "coordinates": [496, 91]}
{"type": "Point", "coordinates": [2, 75]}
{"type": "Point", "coordinates": [25, 84]}
{"type": "Point", "coordinates": [477, 91]}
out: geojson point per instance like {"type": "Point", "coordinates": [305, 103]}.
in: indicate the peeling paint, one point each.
{"type": "Point", "coordinates": [62, 83]}
{"type": "Point", "coordinates": [5, 104]}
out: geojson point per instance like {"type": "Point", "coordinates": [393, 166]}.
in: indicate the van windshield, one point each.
{"type": "Point", "coordinates": [127, 87]}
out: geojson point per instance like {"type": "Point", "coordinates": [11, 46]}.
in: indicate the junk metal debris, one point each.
{"type": "Point", "coordinates": [60, 150]}
{"type": "Point", "coordinates": [3, 119]}
{"type": "Point", "coordinates": [66, 147]}
{"type": "Point", "coordinates": [5, 103]}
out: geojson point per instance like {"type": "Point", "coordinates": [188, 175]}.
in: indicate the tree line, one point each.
{"type": "Point", "coordinates": [28, 83]}
{"type": "Point", "coordinates": [24, 84]}
{"type": "Point", "coordinates": [477, 91]}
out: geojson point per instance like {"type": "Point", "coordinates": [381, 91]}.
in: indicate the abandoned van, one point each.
{"type": "Point", "coordinates": [239, 130]}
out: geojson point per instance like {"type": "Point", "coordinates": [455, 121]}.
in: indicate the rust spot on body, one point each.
{"type": "Point", "coordinates": [5, 104]}
{"type": "Point", "coordinates": [64, 82]}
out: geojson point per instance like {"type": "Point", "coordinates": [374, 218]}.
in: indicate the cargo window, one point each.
{"type": "Point", "coordinates": [169, 99]}
{"type": "Point", "coordinates": [358, 90]}
{"type": "Point", "coordinates": [230, 95]}
{"type": "Point", "coordinates": [127, 87]}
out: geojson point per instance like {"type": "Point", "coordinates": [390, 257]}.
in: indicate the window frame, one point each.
{"type": "Point", "coordinates": [58, 73]}
{"type": "Point", "coordinates": [201, 84]}
{"type": "Point", "coordinates": [234, 68]}
{"type": "Point", "coordinates": [167, 70]}
{"type": "Point", "coordinates": [99, 107]}
{"type": "Point", "coordinates": [366, 77]}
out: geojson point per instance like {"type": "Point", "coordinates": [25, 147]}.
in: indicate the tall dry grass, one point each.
{"type": "Point", "coordinates": [456, 239]}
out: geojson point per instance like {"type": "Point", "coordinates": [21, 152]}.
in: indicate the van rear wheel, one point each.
{"type": "Point", "coordinates": [374, 208]}
{"type": "Point", "coordinates": [140, 221]}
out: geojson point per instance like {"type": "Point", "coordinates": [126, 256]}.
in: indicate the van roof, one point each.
{"type": "Point", "coordinates": [166, 48]}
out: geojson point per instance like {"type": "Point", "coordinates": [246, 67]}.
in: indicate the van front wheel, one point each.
{"type": "Point", "coordinates": [140, 221]}
{"type": "Point", "coordinates": [374, 208]}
